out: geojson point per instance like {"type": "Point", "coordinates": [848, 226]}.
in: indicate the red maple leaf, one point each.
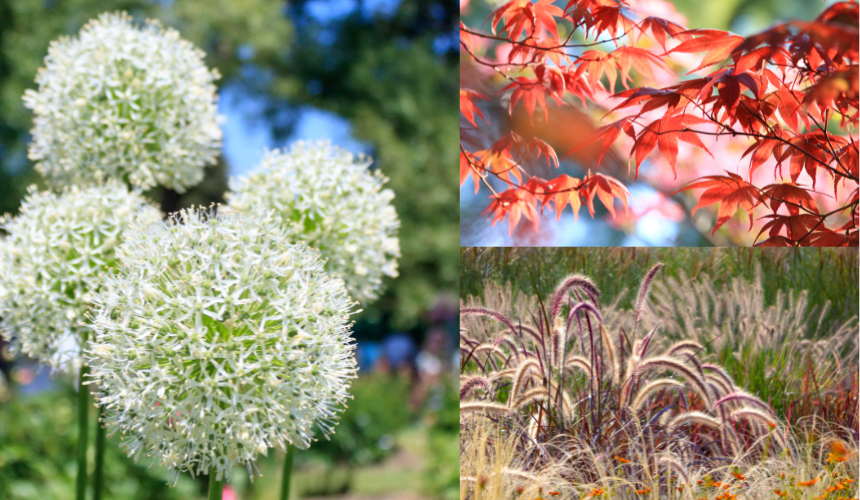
{"type": "Point", "coordinates": [718, 45]}
{"type": "Point", "coordinates": [661, 27]}
{"type": "Point", "coordinates": [468, 106]}
{"type": "Point", "coordinates": [731, 192]}
{"type": "Point", "coordinates": [522, 15]}
{"type": "Point", "coordinates": [793, 196]}
{"type": "Point", "coordinates": [563, 190]}
{"type": "Point", "coordinates": [531, 91]}
{"type": "Point", "coordinates": [665, 133]}
{"type": "Point", "coordinates": [796, 226]}
{"type": "Point", "coordinates": [608, 133]}
{"type": "Point", "coordinates": [510, 203]}
{"type": "Point", "coordinates": [607, 190]}
{"type": "Point", "coordinates": [467, 160]}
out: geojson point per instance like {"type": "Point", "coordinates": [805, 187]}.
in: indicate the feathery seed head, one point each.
{"type": "Point", "coordinates": [127, 102]}
{"type": "Point", "coordinates": [224, 339]}
{"type": "Point", "coordinates": [58, 247]}
{"type": "Point", "coordinates": [335, 204]}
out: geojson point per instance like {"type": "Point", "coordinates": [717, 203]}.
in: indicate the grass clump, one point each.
{"type": "Point", "coordinates": [560, 395]}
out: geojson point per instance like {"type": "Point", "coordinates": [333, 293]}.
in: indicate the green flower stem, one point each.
{"type": "Point", "coordinates": [83, 422]}
{"type": "Point", "coordinates": [98, 475]}
{"type": "Point", "coordinates": [288, 471]}
{"type": "Point", "coordinates": [216, 488]}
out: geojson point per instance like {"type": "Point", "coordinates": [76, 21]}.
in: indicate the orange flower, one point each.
{"type": "Point", "coordinates": [838, 448]}
{"type": "Point", "coordinates": [596, 492]}
{"type": "Point", "coordinates": [780, 493]}
{"type": "Point", "coordinates": [739, 475]}
{"type": "Point", "coordinates": [808, 483]}
{"type": "Point", "coordinates": [642, 492]}
{"type": "Point", "coordinates": [622, 460]}
{"type": "Point", "coordinates": [554, 493]}
{"type": "Point", "coordinates": [726, 496]}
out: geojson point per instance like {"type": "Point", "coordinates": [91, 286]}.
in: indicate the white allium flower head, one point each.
{"type": "Point", "coordinates": [128, 102]}
{"type": "Point", "coordinates": [216, 339]}
{"type": "Point", "coordinates": [56, 252]}
{"type": "Point", "coordinates": [4, 262]}
{"type": "Point", "coordinates": [334, 203]}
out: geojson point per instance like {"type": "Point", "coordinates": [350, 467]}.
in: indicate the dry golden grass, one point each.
{"type": "Point", "coordinates": [564, 398]}
{"type": "Point", "coordinates": [817, 467]}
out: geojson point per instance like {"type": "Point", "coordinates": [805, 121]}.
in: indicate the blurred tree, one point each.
{"type": "Point", "coordinates": [219, 27]}
{"type": "Point", "coordinates": [391, 69]}
{"type": "Point", "coordinates": [388, 67]}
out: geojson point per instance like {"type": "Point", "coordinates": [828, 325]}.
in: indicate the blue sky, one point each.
{"type": "Point", "coordinates": [247, 136]}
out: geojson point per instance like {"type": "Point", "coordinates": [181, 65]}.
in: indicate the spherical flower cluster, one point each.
{"type": "Point", "coordinates": [4, 261]}
{"type": "Point", "coordinates": [334, 204]}
{"type": "Point", "coordinates": [57, 248]}
{"type": "Point", "coordinates": [121, 101]}
{"type": "Point", "coordinates": [216, 339]}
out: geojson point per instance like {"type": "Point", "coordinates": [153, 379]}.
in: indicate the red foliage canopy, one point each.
{"type": "Point", "coordinates": [791, 90]}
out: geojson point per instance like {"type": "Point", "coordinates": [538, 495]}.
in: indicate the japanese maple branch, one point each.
{"type": "Point", "coordinates": [734, 133]}
{"type": "Point", "coordinates": [475, 170]}
{"type": "Point", "coordinates": [547, 49]}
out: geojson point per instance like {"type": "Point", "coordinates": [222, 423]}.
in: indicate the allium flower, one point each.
{"type": "Point", "coordinates": [120, 101]}
{"type": "Point", "coordinates": [334, 204]}
{"type": "Point", "coordinates": [4, 261]}
{"type": "Point", "coordinates": [216, 339]}
{"type": "Point", "coordinates": [58, 247]}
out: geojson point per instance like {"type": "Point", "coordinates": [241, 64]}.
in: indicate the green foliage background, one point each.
{"type": "Point", "coordinates": [384, 72]}
{"type": "Point", "coordinates": [828, 274]}
{"type": "Point", "coordinates": [773, 372]}
{"type": "Point", "coordinates": [380, 72]}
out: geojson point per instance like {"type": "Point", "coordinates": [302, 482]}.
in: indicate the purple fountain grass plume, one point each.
{"type": "Point", "coordinates": [481, 311]}
{"type": "Point", "coordinates": [643, 290]}
{"type": "Point", "coordinates": [588, 307]}
{"type": "Point", "coordinates": [650, 388]}
{"type": "Point", "coordinates": [490, 349]}
{"type": "Point", "coordinates": [538, 394]}
{"type": "Point", "coordinates": [506, 373]}
{"type": "Point", "coordinates": [728, 435]}
{"type": "Point", "coordinates": [578, 281]}
{"type": "Point", "coordinates": [537, 338]}
{"type": "Point", "coordinates": [690, 357]}
{"type": "Point", "coordinates": [556, 342]}
{"type": "Point", "coordinates": [685, 345]}
{"type": "Point", "coordinates": [529, 397]}
{"type": "Point", "coordinates": [714, 384]}
{"type": "Point", "coordinates": [579, 362]}
{"type": "Point", "coordinates": [467, 340]}
{"type": "Point", "coordinates": [467, 354]}
{"type": "Point", "coordinates": [673, 364]}
{"type": "Point", "coordinates": [693, 417]}
{"type": "Point", "coordinates": [746, 397]}
{"type": "Point", "coordinates": [477, 407]}
{"type": "Point", "coordinates": [510, 344]}
{"type": "Point", "coordinates": [614, 361]}
{"type": "Point", "coordinates": [522, 375]}
{"type": "Point", "coordinates": [754, 415]}
{"type": "Point", "coordinates": [471, 384]}
{"type": "Point", "coordinates": [643, 347]}
{"type": "Point", "coordinates": [720, 372]}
